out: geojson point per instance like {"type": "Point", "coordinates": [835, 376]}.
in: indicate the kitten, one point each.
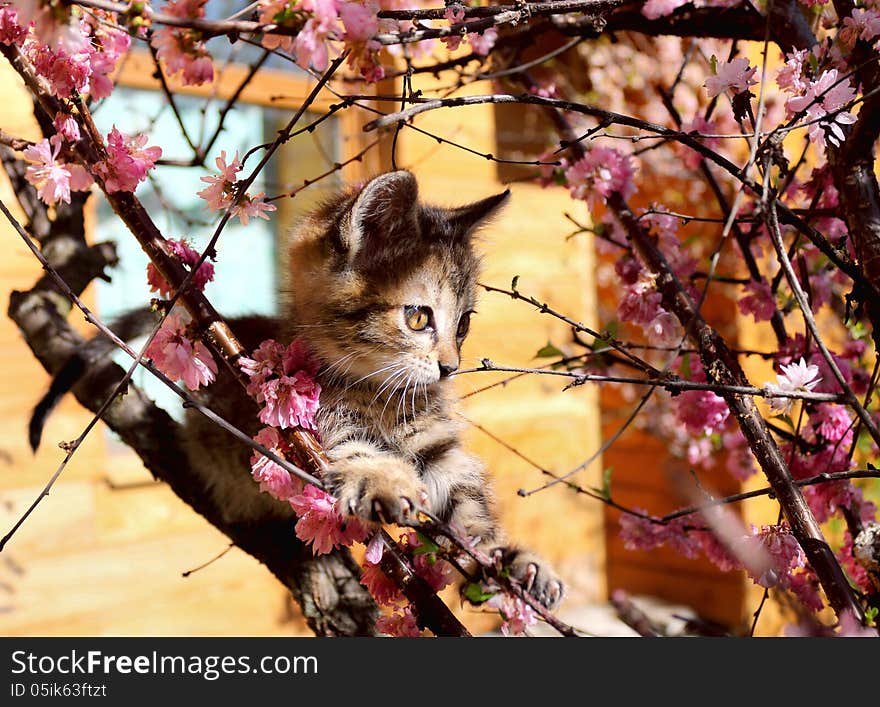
{"type": "Point", "coordinates": [382, 288]}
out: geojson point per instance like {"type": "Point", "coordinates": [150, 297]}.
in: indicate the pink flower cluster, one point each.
{"type": "Point", "coordinates": [640, 303]}
{"type": "Point", "coordinates": [73, 55]}
{"type": "Point", "coordinates": [221, 193]}
{"type": "Point", "coordinates": [273, 478]}
{"type": "Point", "coordinates": [174, 352]}
{"type": "Point", "coordinates": [640, 532]}
{"type": "Point", "coordinates": [517, 615]}
{"type": "Point", "coordinates": [822, 101]}
{"type": "Point", "coordinates": [183, 50]}
{"type": "Point", "coordinates": [599, 173]}
{"type": "Point", "coordinates": [323, 23]}
{"type": "Point", "coordinates": [735, 75]}
{"type": "Point", "coordinates": [291, 371]}
{"type": "Point", "coordinates": [436, 571]}
{"type": "Point", "coordinates": [655, 9]}
{"type": "Point", "coordinates": [282, 378]}
{"type": "Point", "coordinates": [321, 524]}
{"type": "Point", "coordinates": [757, 300]}
{"type": "Point", "coordinates": [127, 162]}
{"type": "Point", "coordinates": [52, 177]}
{"type": "Point", "coordinates": [771, 556]}
{"type": "Point", "coordinates": [481, 42]}
{"type": "Point", "coordinates": [189, 257]}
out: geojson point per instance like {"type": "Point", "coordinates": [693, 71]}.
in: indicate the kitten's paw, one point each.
{"type": "Point", "coordinates": [387, 496]}
{"type": "Point", "coordinates": [533, 573]}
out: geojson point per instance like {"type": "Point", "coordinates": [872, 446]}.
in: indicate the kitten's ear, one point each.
{"type": "Point", "coordinates": [383, 212]}
{"type": "Point", "coordinates": [465, 219]}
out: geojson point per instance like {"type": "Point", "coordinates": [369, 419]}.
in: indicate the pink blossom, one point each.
{"type": "Point", "coordinates": [310, 45]}
{"type": "Point", "coordinates": [11, 32]}
{"type": "Point", "coordinates": [758, 301]}
{"type": "Point", "coordinates": [655, 9]}
{"type": "Point", "coordinates": [50, 177]}
{"type": "Point", "coordinates": [805, 586]}
{"type": "Point", "coordinates": [718, 553]}
{"type": "Point", "coordinates": [735, 74]}
{"type": "Point", "coordinates": [252, 207]}
{"type": "Point", "coordinates": [280, 12]}
{"type": "Point", "coordinates": [862, 24]}
{"type": "Point", "coordinates": [55, 26]}
{"type": "Point", "coordinates": [127, 161]}
{"type": "Point", "coordinates": [178, 357]}
{"type": "Point", "coordinates": [517, 615]}
{"type": "Point", "coordinates": [628, 269]}
{"type": "Point", "coordinates": [283, 379]}
{"type": "Point", "coordinates": [599, 173]}
{"type": "Point", "coordinates": [221, 189]}
{"type": "Point", "coordinates": [641, 533]}
{"type": "Point", "coordinates": [699, 452]}
{"type": "Point", "coordinates": [321, 525]}
{"type": "Point", "coordinates": [482, 42]}
{"type": "Point", "coordinates": [795, 378]}
{"type": "Point", "coordinates": [375, 550]}
{"type": "Point", "coordinates": [80, 179]}
{"type": "Point", "coordinates": [827, 498]}
{"type": "Point", "coordinates": [821, 97]}
{"type": "Point", "coordinates": [66, 126]}
{"type": "Point", "coordinates": [266, 361]}
{"type": "Point", "coordinates": [290, 401]}
{"type": "Point", "coordinates": [791, 76]}
{"type": "Point", "coordinates": [701, 411]}
{"type": "Point", "coordinates": [380, 586]}
{"type": "Point", "coordinates": [784, 553]}
{"type": "Point", "coordinates": [182, 49]}
{"type": "Point", "coordinates": [640, 302]}
{"type": "Point", "coordinates": [273, 478]}
{"type": "Point", "coordinates": [221, 192]}
{"type": "Point", "coordinates": [189, 257]}
{"type": "Point", "coordinates": [360, 21]}
{"type": "Point", "coordinates": [402, 624]}
{"type": "Point", "coordinates": [109, 44]}
{"type": "Point", "coordinates": [436, 571]}
{"type": "Point", "coordinates": [831, 422]}
{"type": "Point", "coordinates": [854, 569]}
{"type": "Point", "coordinates": [67, 73]}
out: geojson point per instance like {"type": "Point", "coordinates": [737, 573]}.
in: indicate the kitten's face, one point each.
{"type": "Point", "coordinates": [383, 288]}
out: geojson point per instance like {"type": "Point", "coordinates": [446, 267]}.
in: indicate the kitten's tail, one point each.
{"type": "Point", "coordinates": [127, 327]}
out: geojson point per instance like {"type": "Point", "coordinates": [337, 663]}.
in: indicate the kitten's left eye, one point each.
{"type": "Point", "coordinates": [418, 318]}
{"type": "Point", "coordinates": [464, 325]}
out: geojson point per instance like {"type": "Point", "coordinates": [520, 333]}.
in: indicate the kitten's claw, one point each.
{"type": "Point", "coordinates": [532, 573]}
{"type": "Point", "coordinates": [378, 511]}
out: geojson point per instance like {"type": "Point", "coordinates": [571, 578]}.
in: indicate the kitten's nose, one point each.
{"type": "Point", "coordinates": [447, 369]}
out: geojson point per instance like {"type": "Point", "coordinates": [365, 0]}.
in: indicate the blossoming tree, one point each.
{"type": "Point", "coordinates": [758, 118]}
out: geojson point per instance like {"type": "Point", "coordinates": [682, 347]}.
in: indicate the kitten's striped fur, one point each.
{"type": "Point", "coordinates": [386, 419]}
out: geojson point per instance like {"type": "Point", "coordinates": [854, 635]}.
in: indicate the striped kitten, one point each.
{"type": "Point", "coordinates": [383, 289]}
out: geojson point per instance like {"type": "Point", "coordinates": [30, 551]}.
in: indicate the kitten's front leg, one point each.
{"type": "Point", "coordinates": [469, 508]}
{"type": "Point", "coordinates": [374, 484]}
